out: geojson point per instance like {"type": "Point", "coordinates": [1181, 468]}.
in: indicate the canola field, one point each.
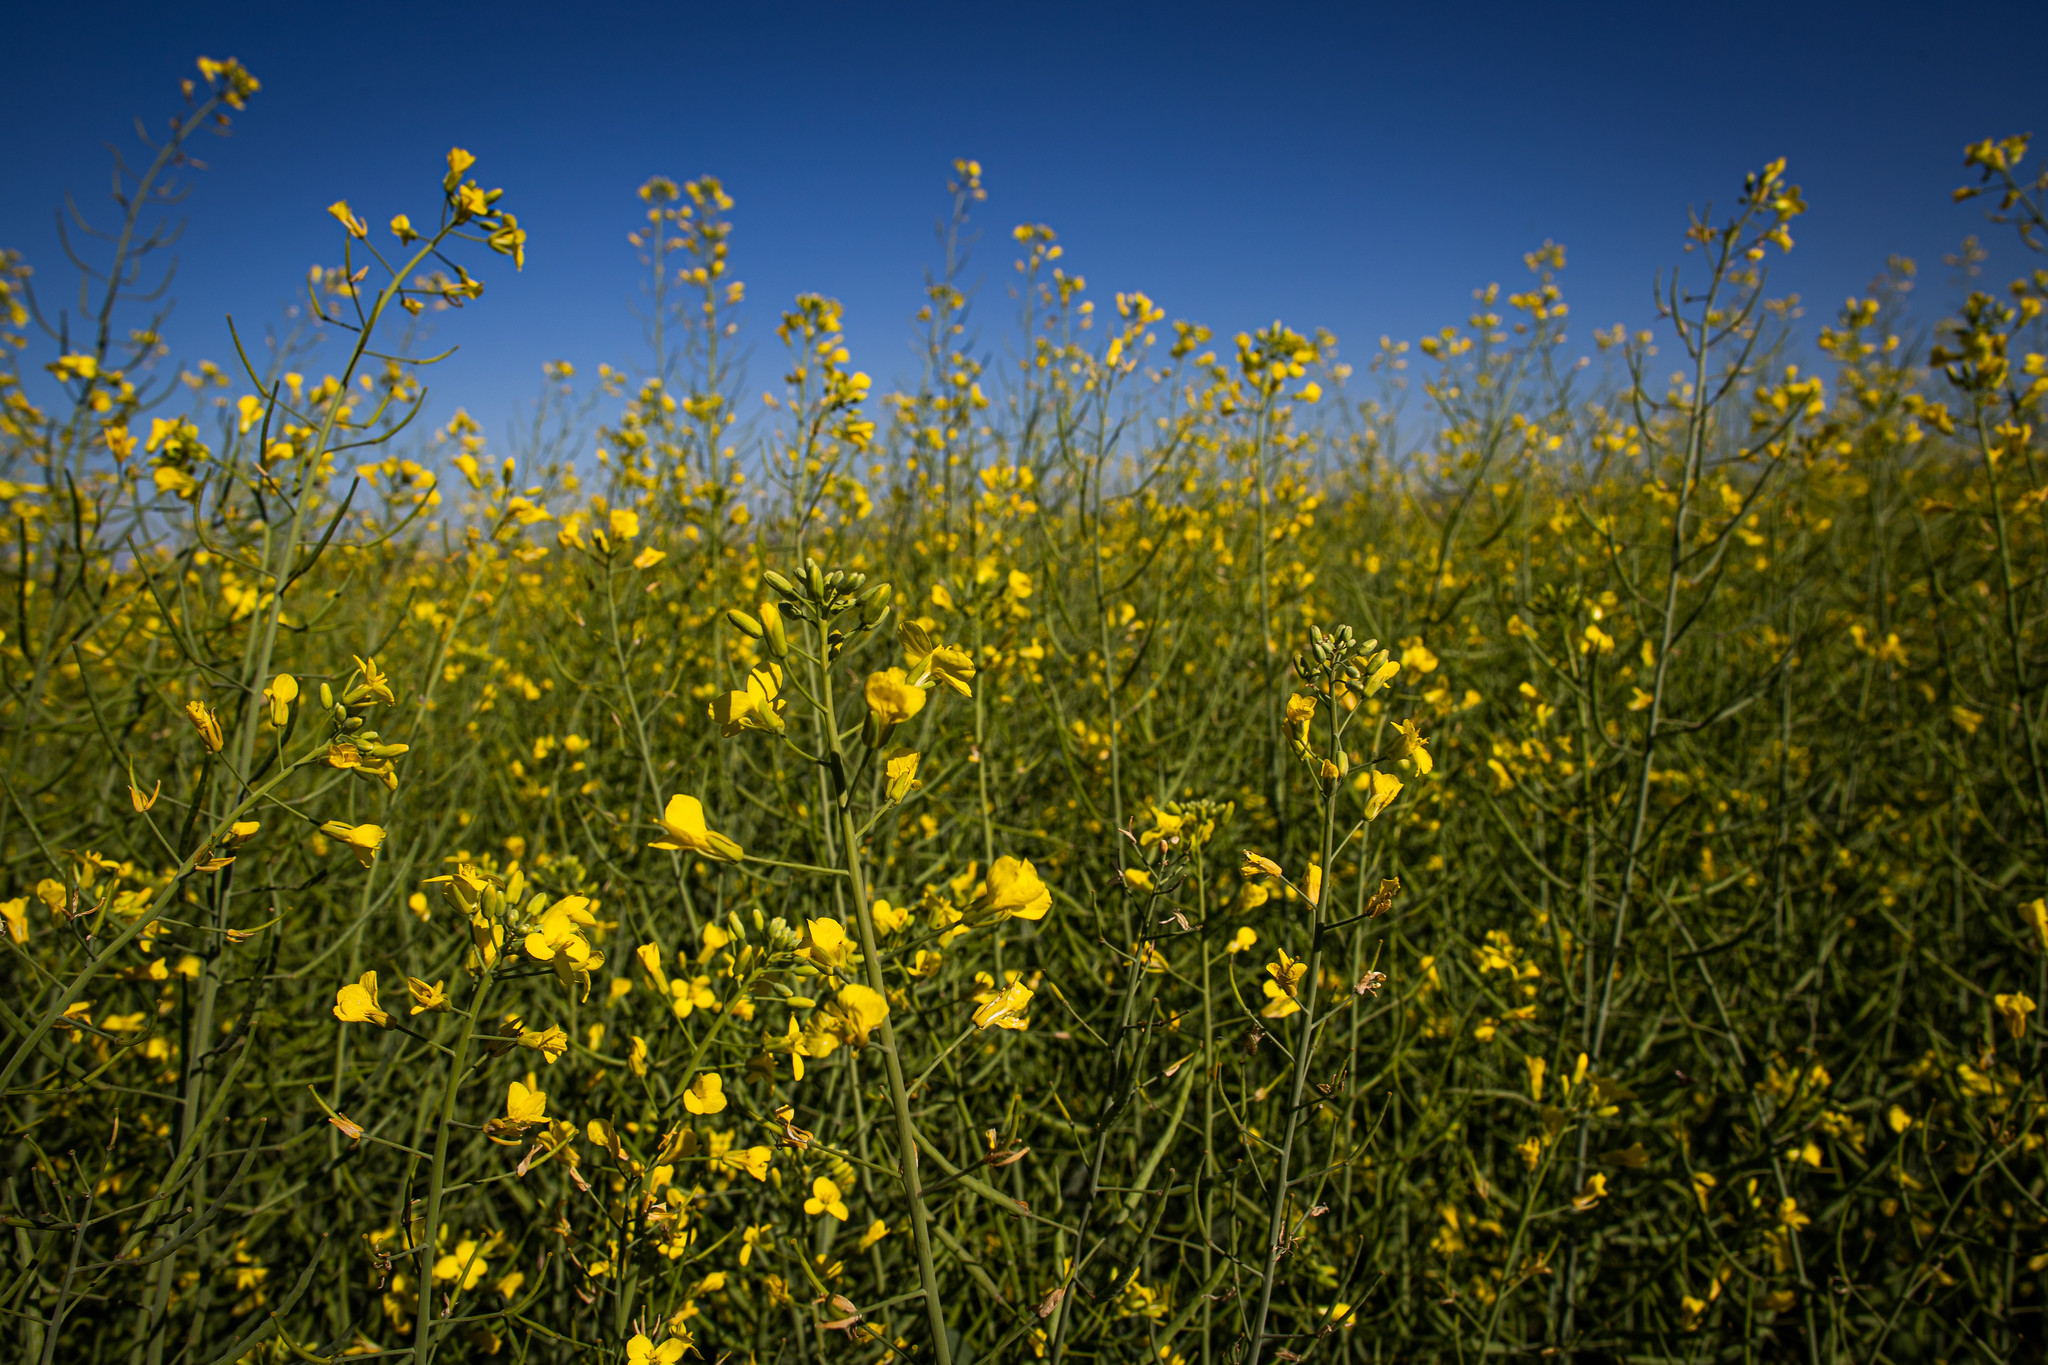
{"type": "Point", "coordinates": [1142, 846]}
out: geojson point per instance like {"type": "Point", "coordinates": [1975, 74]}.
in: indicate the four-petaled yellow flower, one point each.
{"type": "Point", "coordinates": [1013, 890]}
{"type": "Point", "coordinates": [282, 692]}
{"type": "Point", "coordinates": [1244, 938]}
{"type": "Point", "coordinates": [1286, 975]}
{"type": "Point", "coordinates": [1301, 711]}
{"type": "Point", "coordinates": [2015, 1008]}
{"type": "Point", "coordinates": [826, 944]}
{"type": "Point", "coordinates": [706, 1094]}
{"type": "Point", "coordinates": [687, 832]}
{"type": "Point", "coordinates": [900, 774]}
{"type": "Point", "coordinates": [948, 665]}
{"type": "Point", "coordinates": [375, 686]}
{"type": "Point", "coordinates": [549, 1043]}
{"type": "Point", "coordinates": [1258, 865]}
{"type": "Point", "coordinates": [892, 699]}
{"type": "Point", "coordinates": [524, 1105]}
{"type": "Point", "coordinates": [825, 1198]}
{"type": "Point", "coordinates": [362, 840]}
{"type": "Point", "coordinates": [1409, 742]}
{"type": "Point", "coordinates": [641, 1350]}
{"type": "Point", "coordinates": [356, 1003]}
{"type": "Point", "coordinates": [1005, 1009]}
{"type": "Point", "coordinates": [855, 1012]}
{"type": "Point", "coordinates": [560, 940]}
{"type": "Point", "coordinates": [758, 707]}
{"type": "Point", "coordinates": [1380, 790]}
{"type": "Point", "coordinates": [428, 999]}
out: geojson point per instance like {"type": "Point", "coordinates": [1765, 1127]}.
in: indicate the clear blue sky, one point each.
{"type": "Point", "coordinates": [1360, 167]}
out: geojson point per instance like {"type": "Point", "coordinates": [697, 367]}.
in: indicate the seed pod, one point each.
{"type": "Point", "coordinates": [744, 624]}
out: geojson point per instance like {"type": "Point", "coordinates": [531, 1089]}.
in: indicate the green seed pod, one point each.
{"type": "Point", "coordinates": [744, 624]}
{"type": "Point", "coordinates": [779, 583]}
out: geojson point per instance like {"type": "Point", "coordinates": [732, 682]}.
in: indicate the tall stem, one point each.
{"type": "Point", "coordinates": [899, 1093]}
{"type": "Point", "coordinates": [1276, 1226]}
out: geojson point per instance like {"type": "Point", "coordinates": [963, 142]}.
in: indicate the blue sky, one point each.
{"type": "Point", "coordinates": [1360, 167]}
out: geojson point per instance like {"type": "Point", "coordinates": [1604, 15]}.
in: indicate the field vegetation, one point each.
{"type": "Point", "coordinates": [1141, 846]}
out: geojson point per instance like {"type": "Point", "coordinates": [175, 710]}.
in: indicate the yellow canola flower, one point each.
{"type": "Point", "coordinates": [1286, 977]}
{"type": "Point", "coordinates": [624, 523]}
{"type": "Point", "coordinates": [877, 1230]}
{"type": "Point", "coordinates": [900, 774]}
{"type": "Point", "coordinates": [826, 944]}
{"type": "Point", "coordinates": [826, 1198]}
{"type": "Point", "coordinates": [282, 692]}
{"type": "Point", "coordinates": [889, 918]}
{"type": "Point", "coordinates": [1244, 938]}
{"type": "Point", "coordinates": [892, 699]}
{"type": "Point", "coordinates": [1137, 879]}
{"type": "Point", "coordinates": [687, 832]}
{"type": "Point", "coordinates": [1410, 743]}
{"type": "Point", "coordinates": [947, 665]}
{"type": "Point", "coordinates": [1013, 890]}
{"type": "Point", "coordinates": [1006, 1008]}
{"type": "Point", "coordinates": [854, 1012]}
{"type": "Point", "coordinates": [560, 940]}
{"type": "Point", "coordinates": [2035, 913]}
{"type": "Point", "coordinates": [706, 1094]}
{"type": "Point", "coordinates": [206, 723]}
{"type": "Point", "coordinates": [428, 999]}
{"type": "Point", "coordinates": [362, 840]}
{"type": "Point", "coordinates": [376, 685]}
{"type": "Point", "coordinates": [549, 1043]}
{"type": "Point", "coordinates": [649, 557]}
{"type": "Point", "coordinates": [1594, 1190]}
{"type": "Point", "coordinates": [356, 1003]}
{"type": "Point", "coordinates": [650, 959]}
{"type": "Point", "coordinates": [463, 1261]}
{"type": "Point", "coordinates": [15, 912]}
{"type": "Point", "coordinates": [1380, 790]}
{"type": "Point", "coordinates": [641, 1350]}
{"type": "Point", "coordinates": [759, 706]}
{"type": "Point", "coordinates": [1301, 711]}
{"type": "Point", "coordinates": [355, 226]}
{"type": "Point", "coordinates": [1258, 865]}
{"type": "Point", "coordinates": [752, 1160]}
{"type": "Point", "coordinates": [524, 1104]}
{"type": "Point", "coordinates": [2015, 1008]}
